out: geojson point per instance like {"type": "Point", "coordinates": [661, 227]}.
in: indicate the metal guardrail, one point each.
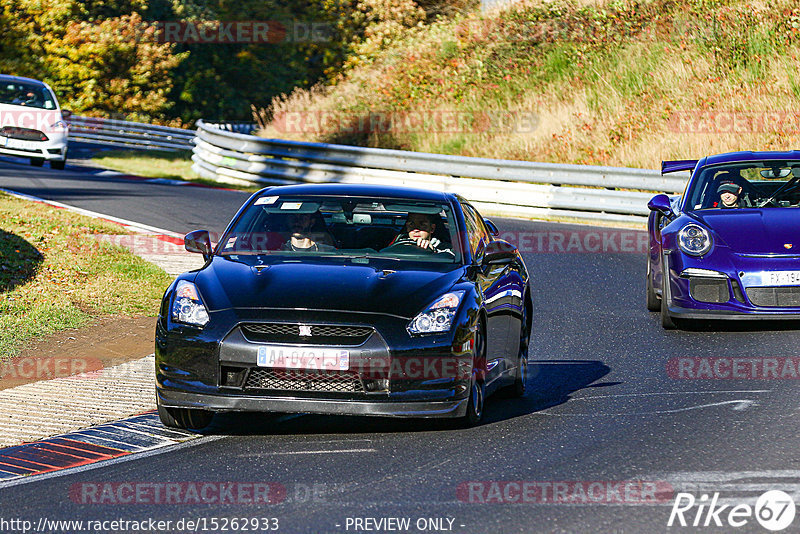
{"type": "Point", "coordinates": [128, 134]}
{"type": "Point", "coordinates": [501, 187]}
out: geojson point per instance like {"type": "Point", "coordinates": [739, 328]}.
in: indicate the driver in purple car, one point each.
{"type": "Point", "coordinates": [729, 195]}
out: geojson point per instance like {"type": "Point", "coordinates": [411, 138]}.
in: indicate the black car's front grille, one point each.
{"type": "Point", "coordinates": [306, 334]}
{"type": "Point", "coordinates": [28, 134]}
{"type": "Point", "coordinates": [777, 297]}
{"type": "Point", "coordinates": [303, 380]}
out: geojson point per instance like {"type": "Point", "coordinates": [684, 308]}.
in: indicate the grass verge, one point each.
{"type": "Point", "coordinates": [624, 83]}
{"type": "Point", "coordinates": [55, 274]}
{"type": "Point", "coordinates": [158, 164]}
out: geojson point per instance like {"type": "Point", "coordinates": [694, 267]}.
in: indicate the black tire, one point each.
{"type": "Point", "coordinates": [58, 164]}
{"type": "Point", "coordinates": [653, 302]}
{"type": "Point", "coordinates": [37, 162]}
{"type": "Point", "coordinates": [477, 394]}
{"type": "Point", "coordinates": [477, 391]}
{"type": "Point", "coordinates": [184, 418]}
{"type": "Point", "coordinates": [667, 322]}
{"type": "Point", "coordinates": [518, 388]}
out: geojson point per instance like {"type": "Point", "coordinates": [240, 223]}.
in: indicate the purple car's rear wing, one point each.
{"type": "Point", "coordinates": [679, 165]}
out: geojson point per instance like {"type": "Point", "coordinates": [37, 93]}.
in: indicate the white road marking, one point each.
{"type": "Point", "coordinates": [741, 404]}
{"type": "Point", "coordinates": [142, 228]}
{"type": "Point", "coordinates": [330, 451]}
{"type": "Point", "coordinates": [672, 393]}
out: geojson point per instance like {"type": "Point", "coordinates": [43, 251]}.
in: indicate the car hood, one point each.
{"type": "Point", "coordinates": [759, 231]}
{"type": "Point", "coordinates": [226, 283]}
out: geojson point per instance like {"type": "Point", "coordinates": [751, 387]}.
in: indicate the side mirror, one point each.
{"type": "Point", "coordinates": [66, 114]}
{"type": "Point", "coordinates": [492, 227]}
{"type": "Point", "coordinates": [499, 252]}
{"type": "Point", "coordinates": [198, 241]}
{"type": "Point", "coordinates": [661, 204]}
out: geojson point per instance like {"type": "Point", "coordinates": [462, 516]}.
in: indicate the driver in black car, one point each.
{"type": "Point", "coordinates": [418, 232]}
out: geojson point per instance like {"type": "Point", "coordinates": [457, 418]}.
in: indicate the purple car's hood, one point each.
{"type": "Point", "coordinates": [765, 230]}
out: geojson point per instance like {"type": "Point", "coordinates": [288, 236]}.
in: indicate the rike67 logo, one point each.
{"type": "Point", "coordinates": [774, 510]}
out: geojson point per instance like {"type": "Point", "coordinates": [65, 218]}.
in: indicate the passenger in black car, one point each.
{"type": "Point", "coordinates": [306, 235]}
{"type": "Point", "coordinates": [418, 232]}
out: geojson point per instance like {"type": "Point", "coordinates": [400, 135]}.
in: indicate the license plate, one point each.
{"type": "Point", "coordinates": [288, 357]}
{"type": "Point", "coordinates": [17, 143]}
{"type": "Point", "coordinates": [780, 278]}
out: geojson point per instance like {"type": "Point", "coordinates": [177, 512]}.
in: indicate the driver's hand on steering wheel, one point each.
{"type": "Point", "coordinates": [423, 243]}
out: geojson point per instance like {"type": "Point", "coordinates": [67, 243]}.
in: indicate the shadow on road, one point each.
{"type": "Point", "coordinates": [19, 261]}
{"type": "Point", "coordinates": [739, 326]}
{"type": "Point", "coordinates": [550, 383]}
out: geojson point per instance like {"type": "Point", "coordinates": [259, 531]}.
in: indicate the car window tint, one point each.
{"type": "Point", "coordinates": [26, 94]}
{"type": "Point", "coordinates": [333, 225]}
{"type": "Point", "coordinates": [758, 184]}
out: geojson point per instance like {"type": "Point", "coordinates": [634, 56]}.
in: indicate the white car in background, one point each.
{"type": "Point", "coordinates": [32, 124]}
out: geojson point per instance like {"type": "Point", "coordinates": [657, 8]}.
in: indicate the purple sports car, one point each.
{"type": "Point", "coordinates": [729, 247]}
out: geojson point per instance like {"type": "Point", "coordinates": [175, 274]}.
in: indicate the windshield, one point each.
{"type": "Point", "coordinates": [319, 226]}
{"type": "Point", "coordinates": [26, 94]}
{"type": "Point", "coordinates": [762, 184]}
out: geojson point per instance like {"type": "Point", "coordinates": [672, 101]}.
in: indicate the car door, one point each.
{"type": "Point", "coordinates": [491, 282]}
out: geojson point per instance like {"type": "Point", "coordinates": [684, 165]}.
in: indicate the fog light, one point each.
{"type": "Point", "coordinates": [232, 376]}
{"type": "Point", "coordinates": [374, 386]}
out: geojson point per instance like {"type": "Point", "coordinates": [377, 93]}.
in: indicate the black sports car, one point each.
{"type": "Point", "coordinates": [345, 299]}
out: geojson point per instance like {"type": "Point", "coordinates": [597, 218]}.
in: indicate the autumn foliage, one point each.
{"type": "Point", "coordinates": [106, 57]}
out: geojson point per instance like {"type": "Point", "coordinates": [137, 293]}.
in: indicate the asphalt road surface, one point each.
{"type": "Point", "coordinates": [176, 208]}
{"type": "Point", "coordinates": [612, 430]}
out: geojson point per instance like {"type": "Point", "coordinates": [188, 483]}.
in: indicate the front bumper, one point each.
{"type": "Point", "coordinates": [737, 281]}
{"type": "Point", "coordinates": [389, 373]}
{"type": "Point", "coordinates": [694, 313]}
{"type": "Point", "coordinates": [260, 403]}
{"type": "Point", "coordinates": [53, 149]}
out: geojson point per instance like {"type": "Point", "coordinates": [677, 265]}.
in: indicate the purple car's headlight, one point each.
{"type": "Point", "coordinates": [694, 240]}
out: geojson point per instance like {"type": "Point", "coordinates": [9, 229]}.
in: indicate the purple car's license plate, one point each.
{"type": "Point", "coordinates": [780, 278]}
{"type": "Point", "coordinates": [290, 357]}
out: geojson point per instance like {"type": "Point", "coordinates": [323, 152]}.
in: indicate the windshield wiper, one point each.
{"type": "Point", "coordinates": [244, 252]}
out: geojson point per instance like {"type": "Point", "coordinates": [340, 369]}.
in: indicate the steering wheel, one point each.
{"type": "Point", "coordinates": [406, 248]}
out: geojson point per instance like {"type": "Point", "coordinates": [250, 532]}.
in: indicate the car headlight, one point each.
{"type": "Point", "coordinates": [694, 240]}
{"type": "Point", "coordinates": [187, 307]}
{"type": "Point", "coordinates": [438, 317]}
